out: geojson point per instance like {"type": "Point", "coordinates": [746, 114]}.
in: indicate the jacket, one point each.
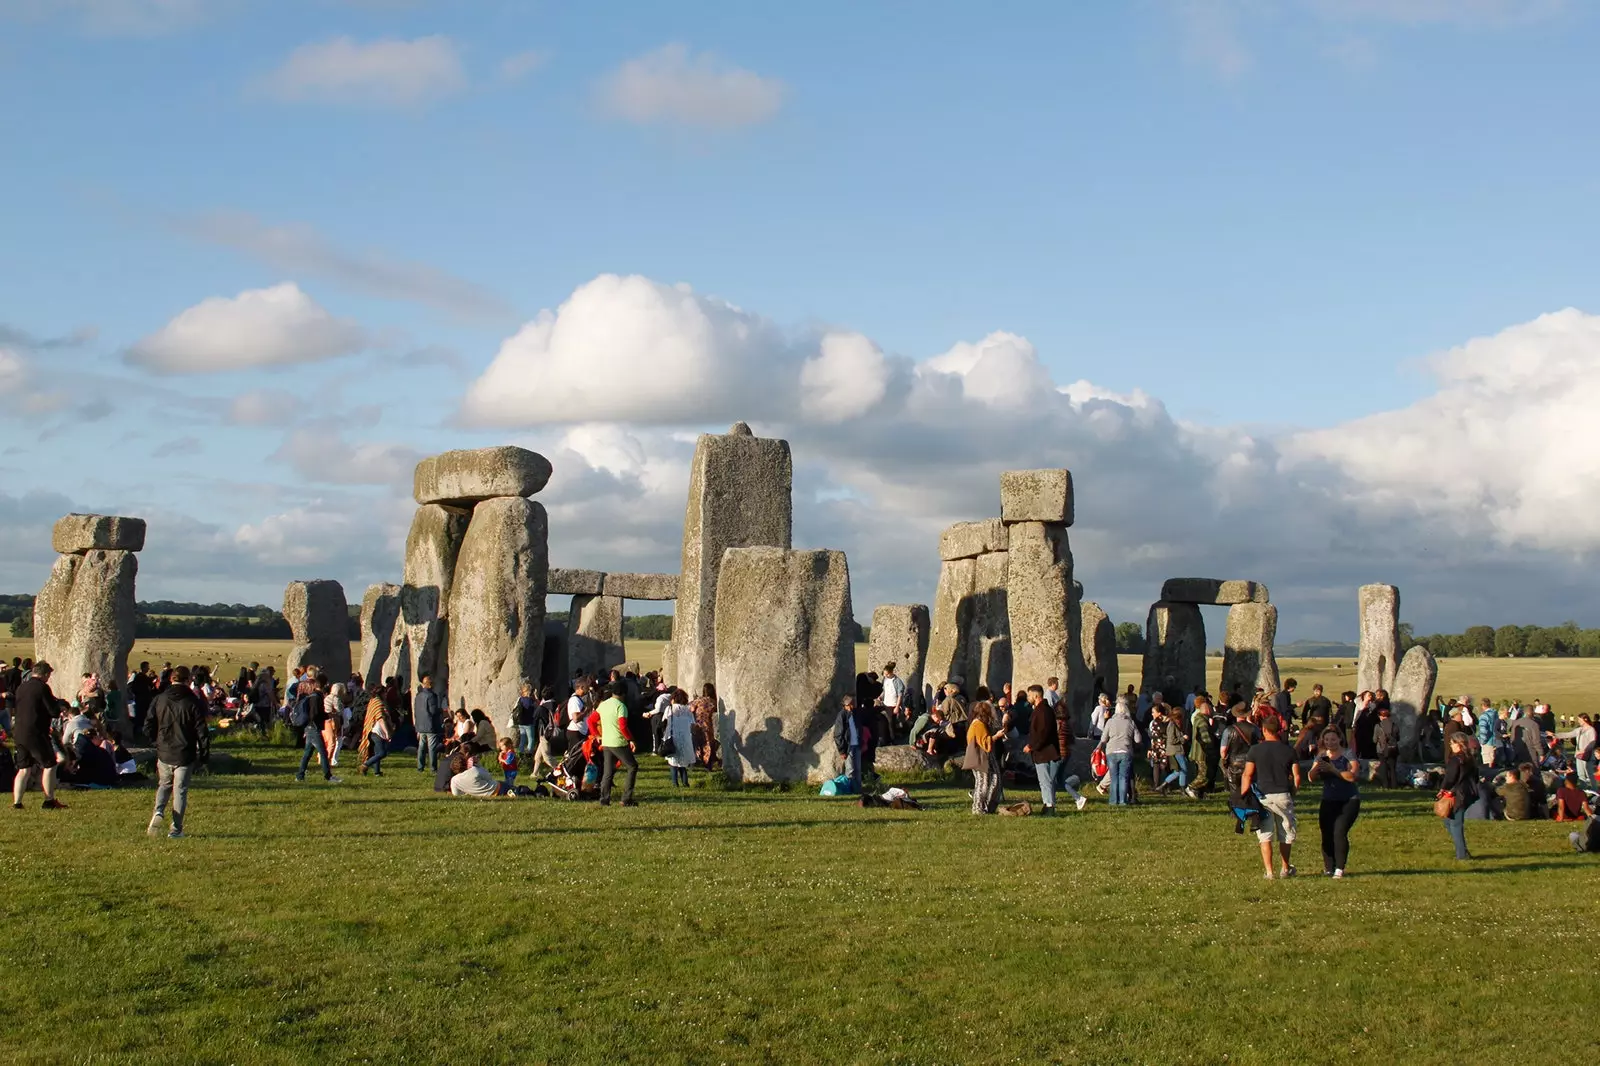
{"type": "Point", "coordinates": [34, 711]}
{"type": "Point", "coordinates": [841, 732]}
{"type": "Point", "coordinates": [1042, 739]}
{"type": "Point", "coordinates": [1121, 735]}
{"type": "Point", "coordinates": [425, 713]}
{"type": "Point", "coordinates": [980, 749]}
{"type": "Point", "coordinates": [1386, 737]}
{"type": "Point", "coordinates": [1461, 779]}
{"type": "Point", "coordinates": [1488, 729]}
{"type": "Point", "coordinates": [176, 723]}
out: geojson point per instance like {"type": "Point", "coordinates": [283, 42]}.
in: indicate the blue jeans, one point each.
{"type": "Point", "coordinates": [511, 780]}
{"type": "Point", "coordinates": [526, 740]}
{"type": "Point", "coordinates": [314, 744]}
{"type": "Point", "coordinates": [1180, 776]}
{"type": "Point", "coordinates": [1456, 825]}
{"type": "Point", "coordinates": [1120, 766]}
{"type": "Point", "coordinates": [427, 751]}
{"type": "Point", "coordinates": [855, 767]}
{"type": "Point", "coordinates": [1046, 772]}
{"type": "Point", "coordinates": [379, 748]}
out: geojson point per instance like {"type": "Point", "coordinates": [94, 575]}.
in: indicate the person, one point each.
{"type": "Point", "coordinates": [849, 739]}
{"type": "Point", "coordinates": [1364, 725]}
{"type": "Point", "coordinates": [1461, 781]}
{"type": "Point", "coordinates": [1514, 797]}
{"type": "Point", "coordinates": [377, 730]}
{"type": "Point", "coordinates": [1200, 747]}
{"type": "Point", "coordinates": [483, 730]}
{"type": "Point", "coordinates": [36, 753]}
{"type": "Point", "coordinates": [1316, 706]}
{"type": "Point", "coordinates": [980, 759]}
{"type": "Point", "coordinates": [143, 694]}
{"type": "Point", "coordinates": [1488, 729]}
{"type": "Point", "coordinates": [524, 717]}
{"type": "Point", "coordinates": [548, 727]}
{"type": "Point", "coordinates": [1386, 745]}
{"type": "Point", "coordinates": [508, 763]}
{"type": "Point", "coordinates": [1527, 741]}
{"type": "Point", "coordinates": [1043, 746]}
{"type": "Point", "coordinates": [1177, 747]}
{"type": "Point", "coordinates": [472, 779]}
{"type": "Point", "coordinates": [333, 706]}
{"type": "Point", "coordinates": [704, 709]}
{"type": "Point", "coordinates": [1156, 754]}
{"type": "Point", "coordinates": [309, 708]}
{"type": "Point", "coordinates": [617, 744]}
{"type": "Point", "coordinates": [1587, 839]}
{"type": "Point", "coordinates": [1584, 742]}
{"type": "Point", "coordinates": [679, 729]}
{"type": "Point", "coordinates": [1341, 801]}
{"type": "Point", "coordinates": [895, 704]}
{"type": "Point", "coordinates": [1283, 701]}
{"type": "Point", "coordinates": [1569, 804]}
{"type": "Point", "coordinates": [1099, 717]}
{"type": "Point", "coordinates": [428, 718]}
{"type": "Point", "coordinates": [1272, 770]}
{"type": "Point", "coordinates": [176, 722]}
{"type": "Point", "coordinates": [1117, 741]}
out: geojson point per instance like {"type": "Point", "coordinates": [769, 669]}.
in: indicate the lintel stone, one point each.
{"type": "Point", "coordinates": [1036, 496]}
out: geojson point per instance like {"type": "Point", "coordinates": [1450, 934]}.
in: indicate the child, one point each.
{"type": "Point", "coordinates": [508, 763]}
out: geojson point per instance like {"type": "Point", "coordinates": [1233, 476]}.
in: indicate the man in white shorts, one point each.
{"type": "Point", "coordinates": [1273, 771]}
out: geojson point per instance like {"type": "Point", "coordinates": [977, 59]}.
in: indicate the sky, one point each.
{"type": "Point", "coordinates": [1302, 291]}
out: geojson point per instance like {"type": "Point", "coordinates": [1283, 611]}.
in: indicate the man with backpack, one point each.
{"type": "Point", "coordinates": [308, 715]}
{"type": "Point", "coordinates": [176, 722]}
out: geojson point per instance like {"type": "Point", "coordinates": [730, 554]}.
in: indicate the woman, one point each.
{"type": "Point", "coordinates": [981, 758]}
{"type": "Point", "coordinates": [679, 728]}
{"type": "Point", "coordinates": [333, 722]}
{"type": "Point", "coordinates": [1341, 801]}
{"type": "Point", "coordinates": [1461, 782]}
{"type": "Point", "coordinates": [376, 731]}
{"type": "Point", "coordinates": [704, 710]}
{"type": "Point", "coordinates": [1157, 754]}
{"type": "Point", "coordinates": [1583, 748]}
{"type": "Point", "coordinates": [524, 717]}
{"type": "Point", "coordinates": [483, 731]}
{"type": "Point", "coordinates": [1177, 741]}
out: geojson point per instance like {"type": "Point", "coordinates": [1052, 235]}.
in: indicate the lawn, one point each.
{"type": "Point", "coordinates": [373, 920]}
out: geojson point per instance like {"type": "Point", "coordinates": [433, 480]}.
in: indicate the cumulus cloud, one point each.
{"type": "Point", "coordinates": [845, 379]}
{"type": "Point", "coordinates": [671, 85]}
{"type": "Point", "coordinates": [276, 326]}
{"type": "Point", "coordinates": [383, 73]}
{"type": "Point", "coordinates": [319, 453]}
{"type": "Point", "coordinates": [262, 407]}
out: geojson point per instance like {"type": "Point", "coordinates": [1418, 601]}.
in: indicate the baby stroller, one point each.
{"type": "Point", "coordinates": [566, 780]}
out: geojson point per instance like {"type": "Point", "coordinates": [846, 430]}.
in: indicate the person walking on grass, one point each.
{"type": "Point", "coordinates": [678, 731]}
{"type": "Point", "coordinates": [34, 710]}
{"type": "Point", "coordinates": [1386, 744]}
{"type": "Point", "coordinates": [1272, 770]}
{"type": "Point", "coordinates": [617, 743]}
{"type": "Point", "coordinates": [309, 716]}
{"type": "Point", "coordinates": [376, 732]}
{"type": "Point", "coordinates": [980, 759]}
{"type": "Point", "coordinates": [176, 721]}
{"type": "Point", "coordinates": [1341, 801]}
{"type": "Point", "coordinates": [1200, 747]}
{"type": "Point", "coordinates": [1461, 782]}
{"type": "Point", "coordinates": [428, 718]}
{"type": "Point", "coordinates": [525, 717]}
{"type": "Point", "coordinates": [1118, 741]}
{"type": "Point", "coordinates": [1043, 746]}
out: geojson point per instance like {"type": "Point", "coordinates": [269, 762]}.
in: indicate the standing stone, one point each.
{"type": "Point", "coordinates": [380, 618]}
{"type": "Point", "coordinates": [900, 636]}
{"type": "Point", "coordinates": [989, 639]}
{"type": "Point", "coordinates": [77, 534]}
{"type": "Point", "coordinates": [952, 618]}
{"type": "Point", "coordinates": [319, 619]}
{"type": "Point", "coordinates": [1248, 661]}
{"type": "Point", "coordinates": [669, 663]}
{"type": "Point", "coordinates": [431, 550]}
{"type": "Point", "coordinates": [1175, 651]}
{"type": "Point", "coordinates": [739, 497]}
{"type": "Point", "coordinates": [553, 669]}
{"type": "Point", "coordinates": [594, 634]}
{"type": "Point", "coordinates": [463, 478]}
{"type": "Point", "coordinates": [785, 658]}
{"type": "Point", "coordinates": [1097, 641]}
{"type": "Point", "coordinates": [1042, 617]}
{"type": "Point", "coordinates": [83, 619]}
{"type": "Point", "coordinates": [1036, 496]}
{"type": "Point", "coordinates": [1380, 638]}
{"type": "Point", "coordinates": [496, 616]}
{"type": "Point", "coordinates": [1411, 697]}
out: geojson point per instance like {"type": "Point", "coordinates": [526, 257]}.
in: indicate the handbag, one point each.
{"type": "Point", "coordinates": [1097, 763]}
{"type": "Point", "coordinates": [1445, 805]}
{"type": "Point", "coordinates": [666, 746]}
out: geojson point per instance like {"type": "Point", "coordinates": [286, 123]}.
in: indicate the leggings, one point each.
{"type": "Point", "coordinates": [1336, 817]}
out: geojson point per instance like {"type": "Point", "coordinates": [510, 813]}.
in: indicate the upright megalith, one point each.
{"type": "Point", "coordinates": [1175, 651]}
{"type": "Point", "coordinates": [319, 620]}
{"type": "Point", "coordinates": [468, 477]}
{"type": "Point", "coordinates": [900, 636]}
{"type": "Point", "coordinates": [1380, 638]}
{"type": "Point", "coordinates": [83, 618]}
{"type": "Point", "coordinates": [496, 605]}
{"type": "Point", "coordinates": [739, 497]}
{"type": "Point", "coordinates": [952, 619]}
{"type": "Point", "coordinates": [1248, 660]}
{"type": "Point", "coordinates": [988, 651]}
{"type": "Point", "coordinates": [1042, 611]}
{"type": "Point", "coordinates": [594, 634]}
{"type": "Point", "coordinates": [1098, 644]}
{"type": "Point", "coordinates": [79, 534]}
{"type": "Point", "coordinates": [784, 659]}
{"type": "Point", "coordinates": [1411, 696]}
{"type": "Point", "coordinates": [432, 547]}
{"type": "Point", "coordinates": [381, 654]}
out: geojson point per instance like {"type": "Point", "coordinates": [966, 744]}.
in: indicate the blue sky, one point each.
{"type": "Point", "coordinates": [1240, 221]}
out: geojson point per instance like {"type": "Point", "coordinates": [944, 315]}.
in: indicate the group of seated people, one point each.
{"type": "Point", "coordinates": [88, 753]}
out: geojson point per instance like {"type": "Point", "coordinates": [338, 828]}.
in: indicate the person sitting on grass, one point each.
{"type": "Point", "coordinates": [1514, 794]}
{"type": "Point", "coordinates": [1538, 797]}
{"type": "Point", "coordinates": [1569, 804]}
{"type": "Point", "coordinates": [475, 781]}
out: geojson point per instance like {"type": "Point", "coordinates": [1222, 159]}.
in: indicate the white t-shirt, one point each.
{"type": "Point", "coordinates": [894, 690]}
{"type": "Point", "coordinates": [473, 781]}
{"type": "Point", "coordinates": [576, 715]}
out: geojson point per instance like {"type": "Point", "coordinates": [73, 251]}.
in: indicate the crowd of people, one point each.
{"type": "Point", "coordinates": [1509, 761]}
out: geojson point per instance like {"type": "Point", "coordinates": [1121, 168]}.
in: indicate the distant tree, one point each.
{"type": "Point", "coordinates": [1440, 644]}
{"type": "Point", "coordinates": [1407, 637]}
{"type": "Point", "coordinates": [1130, 638]}
{"type": "Point", "coordinates": [1479, 641]}
{"type": "Point", "coordinates": [648, 627]}
{"type": "Point", "coordinates": [1542, 642]}
{"type": "Point", "coordinates": [22, 624]}
{"type": "Point", "coordinates": [1510, 641]}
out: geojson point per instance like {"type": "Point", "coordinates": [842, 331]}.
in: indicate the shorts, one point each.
{"type": "Point", "coordinates": [35, 756]}
{"type": "Point", "coordinates": [1277, 817]}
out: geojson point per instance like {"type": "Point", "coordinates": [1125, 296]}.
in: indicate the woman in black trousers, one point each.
{"type": "Point", "coordinates": [1341, 801]}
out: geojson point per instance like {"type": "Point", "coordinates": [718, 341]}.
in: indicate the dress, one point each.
{"type": "Point", "coordinates": [680, 725]}
{"type": "Point", "coordinates": [704, 710]}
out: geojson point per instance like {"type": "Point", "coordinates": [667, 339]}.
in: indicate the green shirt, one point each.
{"type": "Point", "coordinates": [613, 723]}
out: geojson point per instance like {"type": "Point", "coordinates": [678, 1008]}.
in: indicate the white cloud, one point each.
{"type": "Point", "coordinates": [514, 68]}
{"type": "Point", "coordinates": [383, 73]}
{"type": "Point", "coordinates": [845, 379]}
{"type": "Point", "coordinates": [1213, 37]}
{"type": "Point", "coordinates": [263, 407]}
{"type": "Point", "coordinates": [1002, 370]}
{"type": "Point", "coordinates": [13, 370]}
{"type": "Point", "coordinates": [672, 85]}
{"type": "Point", "coordinates": [277, 326]}
{"type": "Point", "coordinates": [319, 453]}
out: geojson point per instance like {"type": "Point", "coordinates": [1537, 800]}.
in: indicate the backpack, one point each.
{"type": "Point", "coordinates": [300, 717]}
{"type": "Point", "coordinates": [1239, 754]}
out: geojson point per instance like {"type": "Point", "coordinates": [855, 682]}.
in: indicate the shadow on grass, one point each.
{"type": "Point", "coordinates": [457, 831]}
{"type": "Point", "coordinates": [1478, 865]}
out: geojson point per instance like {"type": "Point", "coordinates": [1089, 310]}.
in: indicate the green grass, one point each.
{"type": "Point", "coordinates": [376, 921]}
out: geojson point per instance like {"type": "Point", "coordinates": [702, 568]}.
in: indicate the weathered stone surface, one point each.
{"type": "Point", "coordinates": [1412, 695]}
{"type": "Point", "coordinates": [1041, 615]}
{"type": "Point", "coordinates": [1380, 638]}
{"type": "Point", "coordinates": [1098, 644]}
{"type": "Point", "coordinates": [970, 638]}
{"type": "Point", "coordinates": [901, 759]}
{"type": "Point", "coordinates": [1248, 662]}
{"type": "Point", "coordinates": [553, 670]}
{"type": "Point", "coordinates": [989, 639]}
{"type": "Point", "coordinates": [900, 636]}
{"type": "Point", "coordinates": [380, 618]}
{"type": "Point", "coordinates": [462, 478]}
{"type": "Point", "coordinates": [83, 619]}
{"type": "Point", "coordinates": [784, 660]}
{"type": "Point", "coordinates": [79, 533]}
{"type": "Point", "coordinates": [669, 663]}
{"type": "Point", "coordinates": [1036, 496]}
{"type": "Point", "coordinates": [641, 586]}
{"type": "Point", "coordinates": [1175, 650]}
{"type": "Point", "coordinates": [576, 582]}
{"type": "Point", "coordinates": [739, 497]}
{"type": "Point", "coordinates": [496, 621]}
{"type": "Point", "coordinates": [1211, 591]}
{"type": "Point", "coordinates": [968, 540]}
{"type": "Point", "coordinates": [952, 616]}
{"type": "Point", "coordinates": [431, 550]}
{"type": "Point", "coordinates": [594, 634]}
{"type": "Point", "coordinates": [319, 619]}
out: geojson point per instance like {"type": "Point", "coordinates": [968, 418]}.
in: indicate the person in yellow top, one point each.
{"type": "Point", "coordinates": [617, 743]}
{"type": "Point", "coordinates": [981, 758]}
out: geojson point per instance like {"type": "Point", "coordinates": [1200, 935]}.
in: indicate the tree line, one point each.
{"type": "Point", "coordinates": [1565, 641]}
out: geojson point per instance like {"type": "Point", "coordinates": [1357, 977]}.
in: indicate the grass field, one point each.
{"type": "Point", "coordinates": [375, 921]}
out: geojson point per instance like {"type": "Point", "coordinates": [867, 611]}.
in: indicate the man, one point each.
{"type": "Point", "coordinates": [617, 743]}
{"type": "Point", "coordinates": [1283, 701]}
{"type": "Point", "coordinates": [428, 718]}
{"type": "Point", "coordinates": [1273, 771]}
{"type": "Point", "coordinates": [1514, 794]}
{"type": "Point", "coordinates": [1118, 741]}
{"type": "Point", "coordinates": [953, 705]}
{"type": "Point", "coordinates": [847, 738]}
{"type": "Point", "coordinates": [264, 699]}
{"type": "Point", "coordinates": [1317, 706]}
{"type": "Point", "coordinates": [143, 692]}
{"type": "Point", "coordinates": [309, 715]}
{"type": "Point", "coordinates": [1201, 747]}
{"type": "Point", "coordinates": [1043, 746]}
{"type": "Point", "coordinates": [894, 697]}
{"type": "Point", "coordinates": [1344, 715]}
{"type": "Point", "coordinates": [1527, 741]}
{"type": "Point", "coordinates": [1362, 726]}
{"type": "Point", "coordinates": [36, 755]}
{"type": "Point", "coordinates": [1386, 742]}
{"type": "Point", "coordinates": [1052, 691]}
{"type": "Point", "coordinates": [177, 722]}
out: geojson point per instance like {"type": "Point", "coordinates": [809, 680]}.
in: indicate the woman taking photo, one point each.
{"type": "Point", "coordinates": [1461, 782]}
{"type": "Point", "coordinates": [981, 759]}
{"type": "Point", "coordinates": [1341, 801]}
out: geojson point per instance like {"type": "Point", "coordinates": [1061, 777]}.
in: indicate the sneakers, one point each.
{"type": "Point", "coordinates": [630, 803]}
{"type": "Point", "coordinates": [53, 805]}
{"type": "Point", "coordinates": [16, 806]}
{"type": "Point", "coordinates": [1083, 801]}
{"type": "Point", "coordinates": [154, 828]}
{"type": "Point", "coordinates": [334, 779]}
{"type": "Point", "coordinates": [1287, 871]}
{"type": "Point", "coordinates": [176, 834]}
{"type": "Point", "coordinates": [1338, 875]}
{"type": "Point", "coordinates": [1191, 793]}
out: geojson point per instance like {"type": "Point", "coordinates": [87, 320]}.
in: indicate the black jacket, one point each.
{"type": "Point", "coordinates": [35, 710]}
{"type": "Point", "coordinates": [176, 723]}
{"type": "Point", "coordinates": [1042, 744]}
